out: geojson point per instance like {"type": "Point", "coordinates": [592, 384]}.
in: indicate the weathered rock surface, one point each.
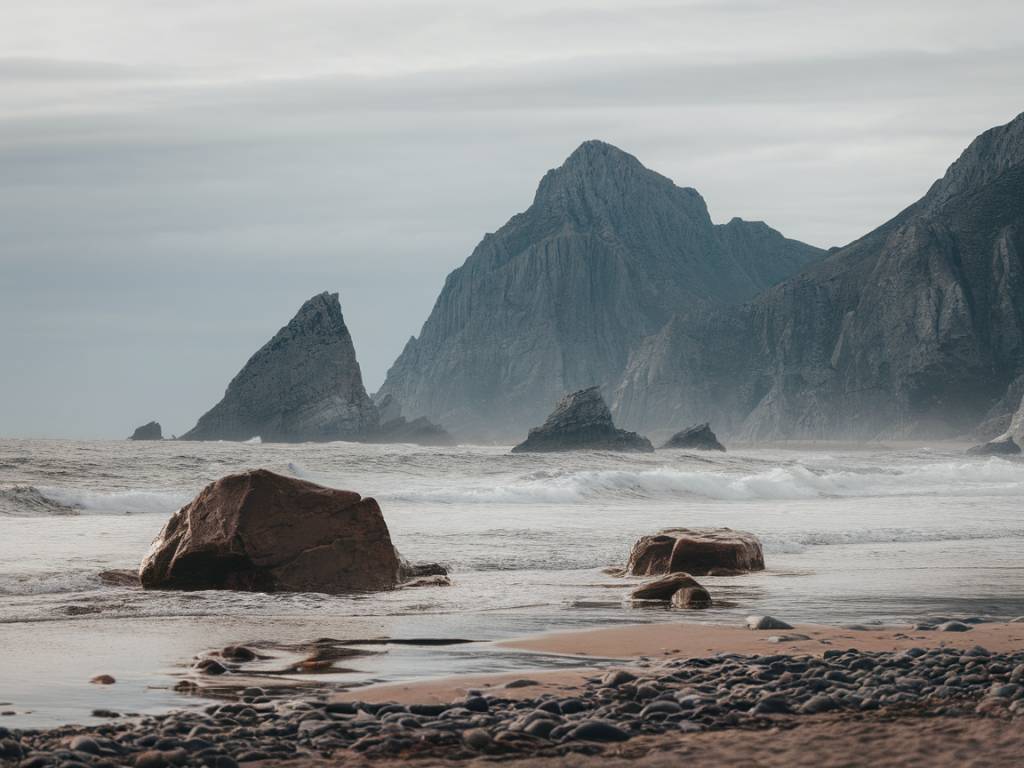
{"type": "Point", "coordinates": [557, 298]}
{"type": "Point", "coordinates": [580, 421]}
{"type": "Point", "coordinates": [260, 531]}
{"type": "Point", "coordinates": [916, 329]}
{"type": "Point", "coordinates": [696, 551]}
{"type": "Point", "coordinates": [302, 385]}
{"type": "Point", "coordinates": [698, 437]}
{"type": "Point", "coordinates": [150, 431]}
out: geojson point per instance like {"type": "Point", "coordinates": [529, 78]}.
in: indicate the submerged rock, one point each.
{"type": "Point", "coordinates": [260, 531]}
{"type": "Point", "coordinates": [697, 551]}
{"type": "Point", "coordinates": [420, 431]}
{"type": "Point", "coordinates": [150, 431]}
{"type": "Point", "coordinates": [698, 437]}
{"type": "Point", "coordinates": [665, 587]}
{"type": "Point", "coordinates": [581, 421]}
{"type": "Point", "coordinates": [1003, 446]}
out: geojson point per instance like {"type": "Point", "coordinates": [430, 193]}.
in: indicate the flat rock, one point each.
{"type": "Point", "coordinates": [766, 622]}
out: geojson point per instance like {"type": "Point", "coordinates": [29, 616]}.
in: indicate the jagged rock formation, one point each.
{"type": "Point", "coordinates": [698, 437]}
{"type": "Point", "coordinates": [916, 329]}
{"type": "Point", "coordinates": [150, 431]}
{"type": "Point", "coordinates": [581, 421]}
{"type": "Point", "coordinates": [558, 298]}
{"type": "Point", "coordinates": [302, 385]}
{"type": "Point", "coordinates": [260, 531]}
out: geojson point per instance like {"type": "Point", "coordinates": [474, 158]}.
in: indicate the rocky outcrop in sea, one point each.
{"type": "Point", "coordinates": [698, 437]}
{"type": "Point", "coordinates": [581, 421]}
{"type": "Point", "coordinates": [559, 297]}
{"type": "Point", "coordinates": [303, 385]}
{"type": "Point", "coordinates": [150, 431]}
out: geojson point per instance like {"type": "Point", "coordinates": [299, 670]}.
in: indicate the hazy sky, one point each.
{"type": "Point", "coordinates": [177, 177]}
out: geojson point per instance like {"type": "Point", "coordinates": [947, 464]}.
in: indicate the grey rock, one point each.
{"type": "Point", "coordinates": [913, 330]}
{"type": "Point", "coordinates": [581, 420]}
{"type": "Point", "coordinates": [766, 622]}
{"type": "Point", "coordinates": [150, 431]}
{"type": "Point", "coordinates": [557, 298]}
{"type": "Point", "coordinates": [698, 437]}
{"type": "Point", "coordinates": [303, 385]}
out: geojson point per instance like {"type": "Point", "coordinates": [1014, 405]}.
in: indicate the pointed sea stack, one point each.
{"type": "Point", "coordinates": [582, 421]}
{"type": "Point", "coordinates": [303, 385]}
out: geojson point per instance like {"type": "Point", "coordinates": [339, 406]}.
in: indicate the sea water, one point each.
{"type": "Point", "coordinates": [880, 534]}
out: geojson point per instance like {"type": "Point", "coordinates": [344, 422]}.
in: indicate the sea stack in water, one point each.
{"type": "Point", "coordinates": [260, 531]}
{"type": "Point", "coordinates": [581, 421]}
{"type": "Point", "coordinates": [302, 385]}
{"type": "Point", "coordinates": [699, 438]}
{"type": "Point", "coordinates": [696, 551]}
{"type": "Point", "coordinates": [151, 431]}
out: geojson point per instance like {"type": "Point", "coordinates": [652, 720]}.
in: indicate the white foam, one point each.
{"type": "Point", "coordinates": [137, 502]}
{"type": "Point", "coordinates": [995, 477]}
{"type": "Point", "coordinates": [257, 440]}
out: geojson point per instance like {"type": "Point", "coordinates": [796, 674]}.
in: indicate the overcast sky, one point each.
{"type": "Point", "coordinates": [176, 178]}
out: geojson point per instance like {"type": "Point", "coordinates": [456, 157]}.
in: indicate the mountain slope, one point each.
{"type": "Point", "coordinates": [916, 329]}
{"type": "Point", "coordinates": [302, 385]}
{"type": "Point", "coordinates": [557, 298]}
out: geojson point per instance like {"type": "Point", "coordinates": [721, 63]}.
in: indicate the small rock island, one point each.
{"type": "Point", "coordinates": [581, 420]}
{"type": "Point", "coordinates": [150, 431]}
{"type": "Point", "coordinates": [698, 437]}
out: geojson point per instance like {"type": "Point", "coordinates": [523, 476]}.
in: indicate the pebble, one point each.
{"type": "Point", "coordinates": [954, 626]}
{"type": "Point", "coordinates": [766, 622]}
{"type": "Point", "coordinates": [680, 695]}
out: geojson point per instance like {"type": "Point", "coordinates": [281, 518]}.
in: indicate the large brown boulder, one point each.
{"type": "Point", "coordinates": [697, 551]}
{"type": "Point", "coordinates": [260, 531]}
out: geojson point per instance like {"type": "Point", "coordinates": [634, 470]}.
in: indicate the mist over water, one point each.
{"type": "Point", "coordinates": [850, 536]}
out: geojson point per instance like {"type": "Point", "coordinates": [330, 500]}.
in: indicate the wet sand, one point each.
{"type": "Point", "coordinates": [661, 641]}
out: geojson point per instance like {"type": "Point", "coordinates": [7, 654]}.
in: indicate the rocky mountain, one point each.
{"type": "Point", "coordinates": [914, 330]}
{"type": "Point", "coordinates": [302, 385]}
{"type": "Point", "coordinates": [558, 298]}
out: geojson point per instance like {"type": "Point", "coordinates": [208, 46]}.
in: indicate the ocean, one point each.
{"type": "Point", "coordinates": [870, 535]}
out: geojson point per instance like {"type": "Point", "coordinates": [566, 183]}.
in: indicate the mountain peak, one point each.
{"type": "Point", "coordinates": [988, 156]}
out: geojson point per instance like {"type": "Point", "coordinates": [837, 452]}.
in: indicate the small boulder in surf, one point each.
{"type": "Point", "coordinates": [681, 588]}
{"type": "Point", "coordinates": [581, 421]}
{"type": "Point", "coordinates": [696, 551]}
{"type": "Point", "coordinates": [260, 531]}
{"type": "Point", "coordinates": [697, 438]}
{"type": "Point", "coordinates": [150, 431]}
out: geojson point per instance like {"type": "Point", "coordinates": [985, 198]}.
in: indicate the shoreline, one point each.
{"type": "Point", "coordinates": [649, 694]}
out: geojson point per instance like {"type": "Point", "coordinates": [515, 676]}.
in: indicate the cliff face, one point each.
{"type": "Point", "coordinates": [558, 298]}
{"type": "Point", "coordinates": [302, 385]}
{"type": "Point", "coordinates": [916, 329]}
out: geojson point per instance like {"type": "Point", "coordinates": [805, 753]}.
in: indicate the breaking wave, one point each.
{"type": "Point", "coordinates": [28, 500]}
{"type": "Point", "coordinates": [996, 477]}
